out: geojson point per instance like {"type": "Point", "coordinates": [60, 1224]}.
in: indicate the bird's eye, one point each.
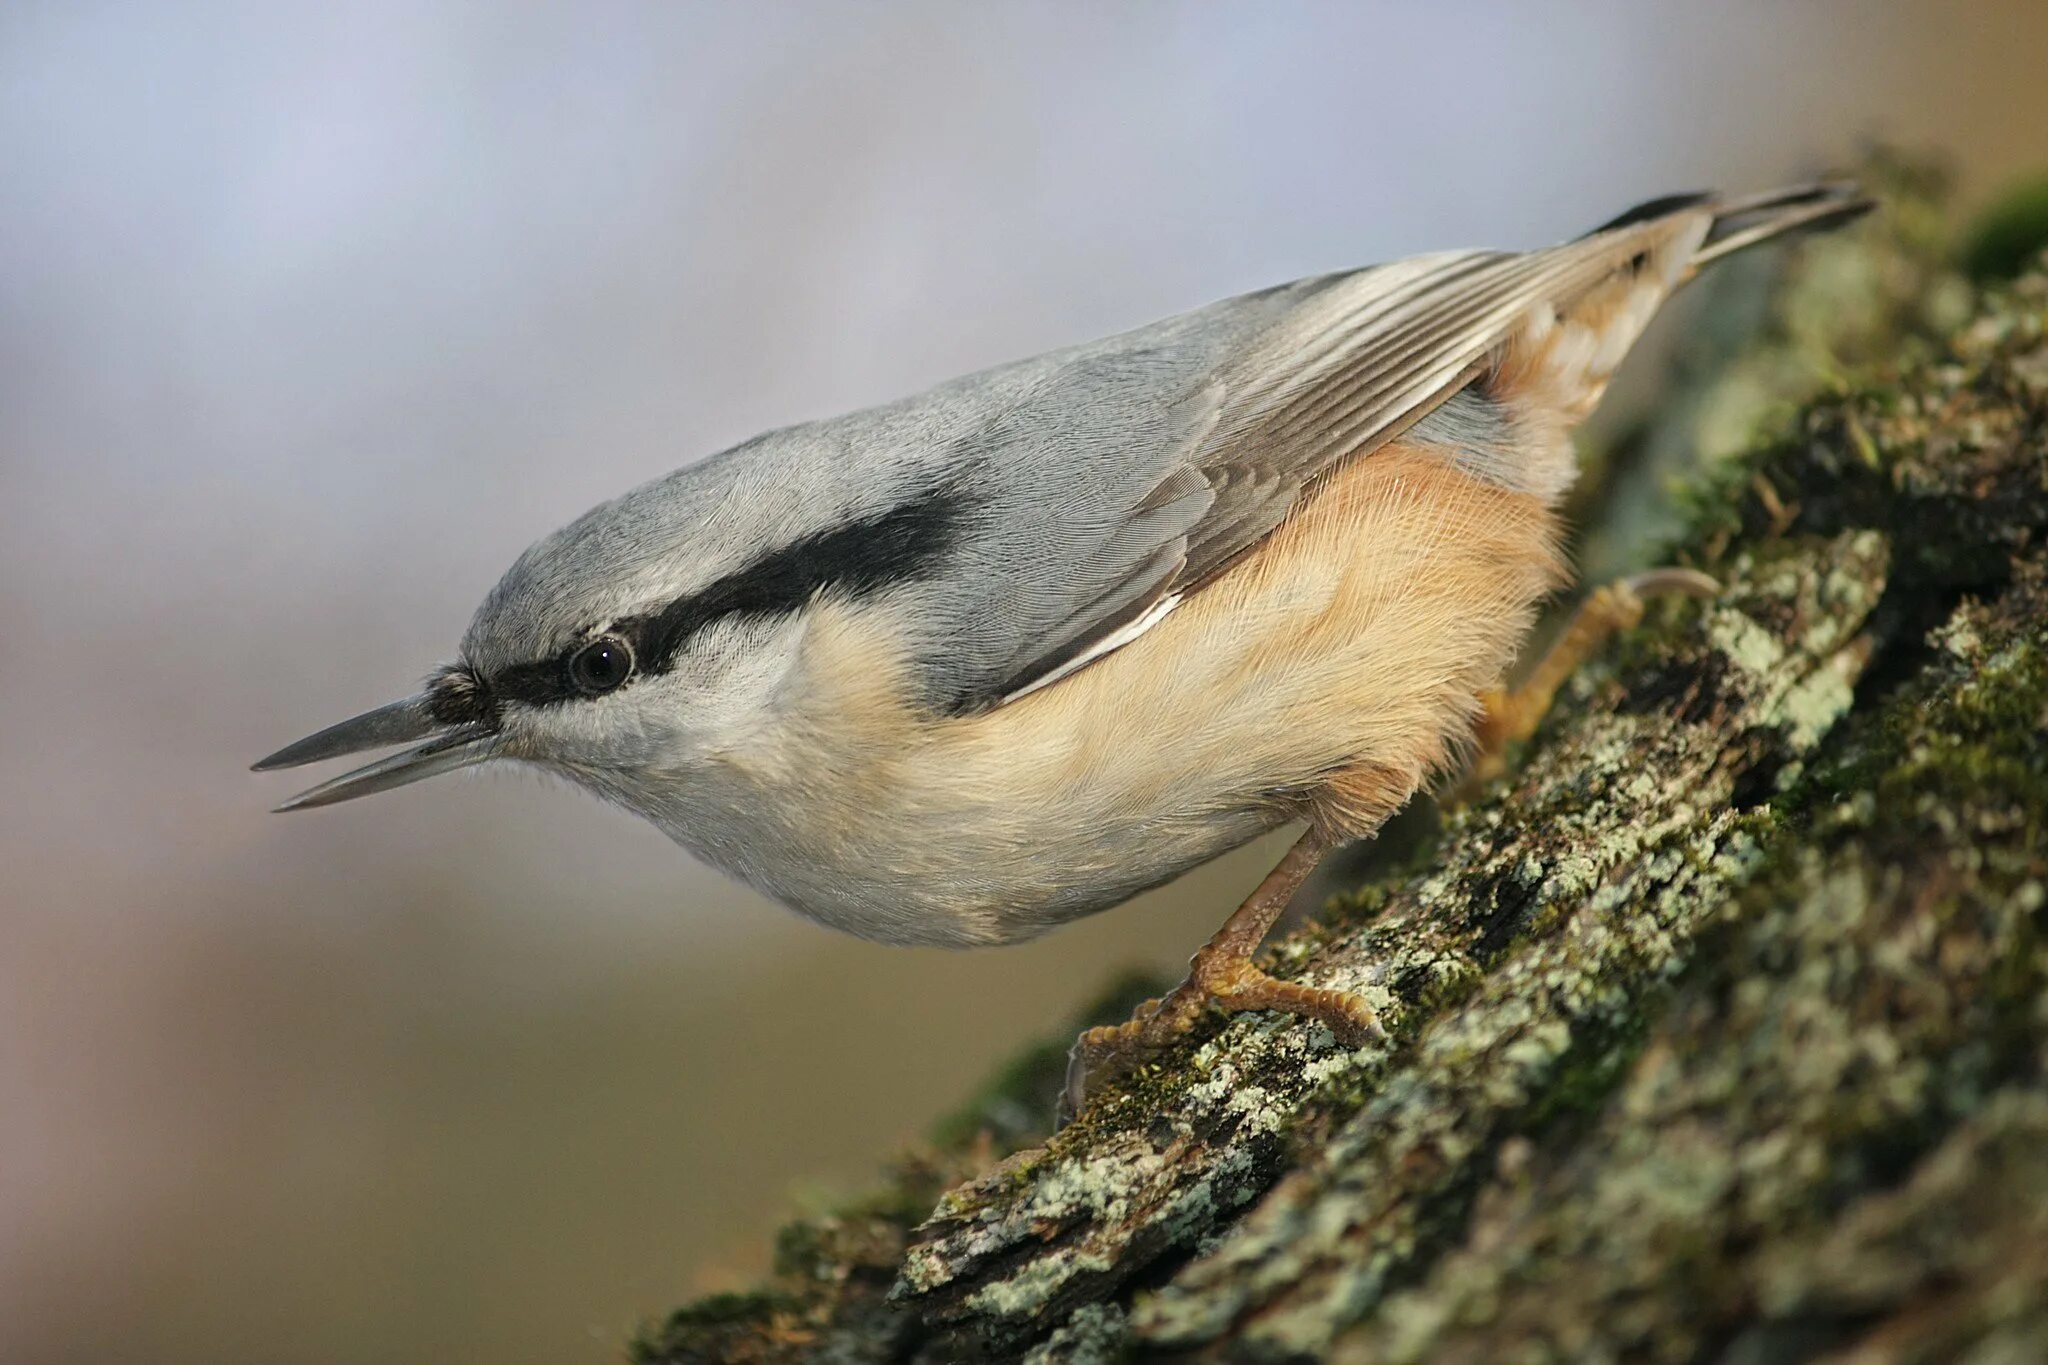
{"type": "Point", "coordinates": [601, 665]}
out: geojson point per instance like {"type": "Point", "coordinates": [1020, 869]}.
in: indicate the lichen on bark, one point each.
{"type": "Point", "coordinates": [1718, 1029]}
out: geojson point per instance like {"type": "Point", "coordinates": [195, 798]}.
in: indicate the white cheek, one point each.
{"type": "Point", "coordinates": [730, 675]}
{"type": "Point", "coordinates": [716, 698]}
{"type": "Point", "coordinates": [581, 732]}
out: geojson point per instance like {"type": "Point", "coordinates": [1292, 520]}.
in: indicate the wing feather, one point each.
{"type": "Point", "coordinates": [1135, 469]}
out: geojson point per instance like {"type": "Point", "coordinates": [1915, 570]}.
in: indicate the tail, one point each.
{"type": "Point", "coordinates": [1557, 363]}
{"type": "Point", "coordinates": [1742, 223]}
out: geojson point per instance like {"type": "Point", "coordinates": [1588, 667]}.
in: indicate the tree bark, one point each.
{"type": "Point", "coordinates": [1719, 1029]}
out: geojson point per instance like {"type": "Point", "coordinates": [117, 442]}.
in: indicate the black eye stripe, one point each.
{"type": "Point", "coordinates": [859, 558]}
{"type": "Point", "coordinates": [535, 684]}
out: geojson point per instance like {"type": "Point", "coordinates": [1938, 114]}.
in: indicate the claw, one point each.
{"type": "Point", "coordinates": [1221, 974]}
{"type": "Point", "coordinates": [1074, 1091]}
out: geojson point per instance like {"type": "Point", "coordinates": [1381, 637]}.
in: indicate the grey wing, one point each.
{"type": "Point", "coordinates": [1129, 471]}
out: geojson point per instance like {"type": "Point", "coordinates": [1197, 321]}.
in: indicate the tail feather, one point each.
{"type": "Point", "coordinates": [1744, 222]}
{"type": "Point", "coordinates": [1561, 358]}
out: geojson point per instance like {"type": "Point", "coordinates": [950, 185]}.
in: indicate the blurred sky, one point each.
{"type": "Point", "coordinates": [312, 316]}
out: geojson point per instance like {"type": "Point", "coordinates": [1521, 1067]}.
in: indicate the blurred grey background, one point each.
{"type": "Point", "coordinates": [312, 316]}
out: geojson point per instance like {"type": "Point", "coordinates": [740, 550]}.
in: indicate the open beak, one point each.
{"type": "Point", "coordinates": [438, 748]}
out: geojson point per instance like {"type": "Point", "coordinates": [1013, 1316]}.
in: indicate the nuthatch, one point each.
{"type": "Point", "coordinates": [965, 667]}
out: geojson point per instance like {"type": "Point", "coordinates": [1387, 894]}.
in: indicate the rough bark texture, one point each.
{"type": "Point", "coordinates": [1718, 1030]}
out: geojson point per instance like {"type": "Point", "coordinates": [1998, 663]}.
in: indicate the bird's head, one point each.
{"type": "Point", "coordinates": [637, 642]}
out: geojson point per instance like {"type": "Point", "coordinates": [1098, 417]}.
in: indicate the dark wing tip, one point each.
{"type": "Point", "coordinates": [1651, 209]}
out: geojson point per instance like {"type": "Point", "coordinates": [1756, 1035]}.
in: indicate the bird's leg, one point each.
{"type": "Point", "coordinates": [1511, 716]}
{"type": "Point", "coordinates": [1222, 975]}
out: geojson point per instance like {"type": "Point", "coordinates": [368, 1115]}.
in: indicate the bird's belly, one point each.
{"type": "Point", "coordinates": [1356, 636]}
{"type": "Point", "coordinates": [936, 866]}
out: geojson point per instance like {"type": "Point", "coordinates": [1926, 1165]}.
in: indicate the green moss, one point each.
{"type": "Point", "coordinates": [720, 1310]}
{"type": "Point", "coordinates": [2009, 235]}
{"type": "Point", "coordinates": [803, 1251]}
{"type": "Point", "coordinates": [1985, 748]}
{"type": "Point", "coordinates": [721, 1327]}
{"type": "Point", "coordinates": [1588, 1075]}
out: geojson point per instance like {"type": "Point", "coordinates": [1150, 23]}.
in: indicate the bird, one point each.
{"type": "Point", "coordinates": [961, 668]}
